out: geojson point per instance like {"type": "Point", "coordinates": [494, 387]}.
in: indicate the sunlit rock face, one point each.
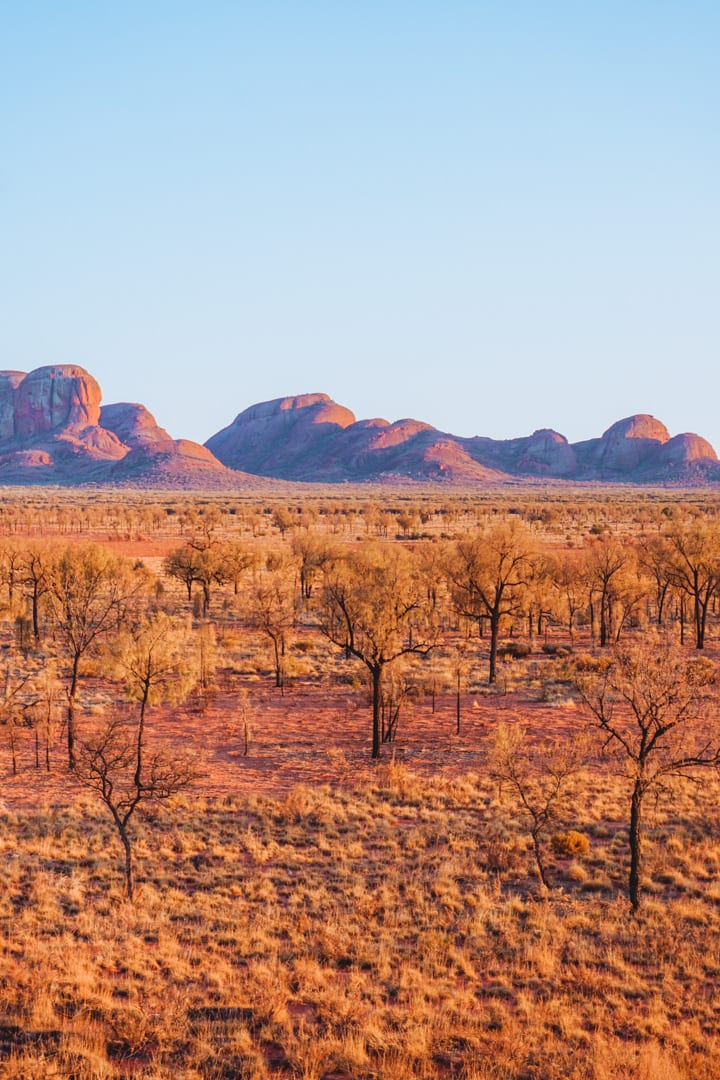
{"type": "Point", "coordinates": [313, 438]}
{"type": "Point", "coordinates": [63, 396]}
{"type": "Point", "coordinates": [54, 430]}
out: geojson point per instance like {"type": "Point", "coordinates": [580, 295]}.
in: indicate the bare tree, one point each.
{"type": "Point", "coordinates": [695, 569]}
{"type": "Point", "coordinates": [90, 592]}
{"type": "Point", "coordinates": [35, 575]}
{"type": "Point", "coordinates": [651, 706]}
{"type": "Point", "coordinates": [199, 563]}
{"type": "Point", "coordinates": [486, 574]}
{"type": "Point", "coordinates": [606, 564]}
{"type": "Point", "coordinates": [151, 655]}
{"type": "Point", "coordinates": [112, 764]}
{"type": "Point", "coordinates": [273, 613]}
{"type": "Point", "coordinates": [655, 556]}
{"type": "Point", "coordinates": [566, 574]}
{"type": "Point", "coordinates": [539, 776]}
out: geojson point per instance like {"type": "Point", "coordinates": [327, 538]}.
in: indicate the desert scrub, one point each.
{"type": "Point", "coordinates": [404, 947]}
{"type": "Point", "coordinates": [570, 844]}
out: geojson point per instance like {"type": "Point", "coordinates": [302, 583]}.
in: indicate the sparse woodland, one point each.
{"type": "Point", "coordinates": [360, 785]}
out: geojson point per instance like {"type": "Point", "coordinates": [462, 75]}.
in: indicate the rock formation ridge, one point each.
{"type": "Point", "coordinates": [311, 438]}
{"type": "Point", "coordinates": [54, 429]}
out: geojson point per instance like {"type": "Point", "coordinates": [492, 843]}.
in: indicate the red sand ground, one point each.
{"type": "Point", "coordinates": [312, 735]}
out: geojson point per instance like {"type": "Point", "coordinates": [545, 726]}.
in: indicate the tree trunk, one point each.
{"type": "Point", "coordinates": [376, 672]}
{"type": "Point", "coordinates": [701, 615]}
{"type": "Point", "coordinates": [129, 883]}
{"type": "Point", "coordinates": [635, 844]}
{"type": "Point", "coordinates": [603, 622]}
{"type": "Point", "coordinates": [35, 615]}
{"type": "Point", "coordinates": [72, 693]}
{"type": "Point", "coordinates": [537, 852]}
{"type": "Point", "coordinates": [276, 651]}
{"type": "Point", "coordinates": [457, 705]}
{"type": "Point", "coordinates": [141, 730]}
{"type": "Point", "coordinates": [494, 629]}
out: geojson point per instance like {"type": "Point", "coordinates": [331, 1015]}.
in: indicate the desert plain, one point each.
{"type": "Point", "coordinates": [381, 751]}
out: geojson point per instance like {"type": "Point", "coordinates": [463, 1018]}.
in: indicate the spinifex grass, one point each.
{"type": "Point", "coordinates": [395, 930]}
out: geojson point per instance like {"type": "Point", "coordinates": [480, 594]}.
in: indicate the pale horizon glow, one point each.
{"type": "Point", "coordinates": [492, 218]}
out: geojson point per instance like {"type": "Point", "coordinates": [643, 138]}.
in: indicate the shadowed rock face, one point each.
{"type": "Point", "coordinates": [133, 424]}
{"type": "Point", "coordinates": [311, 438]}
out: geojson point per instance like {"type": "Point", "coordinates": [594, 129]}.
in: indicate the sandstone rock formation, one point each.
{"type": "Point", "coordinates": [54, 430]}
{"type": "Point", "coordinates": [312, 438]}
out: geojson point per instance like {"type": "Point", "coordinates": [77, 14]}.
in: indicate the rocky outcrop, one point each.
{"type": "Point", "coordinates": [292, 437]}
{"type": "Point", "coordinates": [54, 430]}
{"type": "Point", "coordinates": [312, 438]}
{"type": "Point", "coordinates": [9, 382]}
{"type": "Point", "coordinates": [134, 425]}
{"type": "Point", "coordinates": [49, 398]}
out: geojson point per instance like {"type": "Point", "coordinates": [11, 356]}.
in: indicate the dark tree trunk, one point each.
{"type": "Point", "coordinates": [129, 883]}
{"type": "Point", "coordinates": [376, 673]}
{"type": "Point", "coordinates": [457, 705]}
{"type": "Point", "coordinates": [141, 730]}
{"type": "Point", "coordinates": [635, 844]}
{"type": "Point", "coordinates": [537, 852]}
{"type": "Point", "coordinates": [72, 694]}
{"type": "Point", "coordinates": [494, 630]}
{"type": "Point", "coordinates": [603, 622]}
{"type": "Point", "coordinates": [35, 614]}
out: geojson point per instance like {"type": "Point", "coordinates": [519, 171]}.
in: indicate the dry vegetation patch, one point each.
{"type": "Point", "coordinates": [302, 911]}
{"type": "Point", "coordinates": [395, 929]}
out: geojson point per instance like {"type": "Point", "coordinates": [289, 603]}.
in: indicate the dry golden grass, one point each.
{"type": "Point", "coordinates": [303, 914]}
{"type": "Point", "coordinates": [392, 930]}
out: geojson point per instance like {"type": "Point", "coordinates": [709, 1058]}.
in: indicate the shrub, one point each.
{"type": "Point", "coordinates": [561, 651]}
{"type": "Point", "coordinates": [513, 650]}
{"type": "Point", "coordinates": [570, 844]}
{"type": "Point", "coordinates": [586, 662]}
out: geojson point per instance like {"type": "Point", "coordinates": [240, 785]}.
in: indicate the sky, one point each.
{"type": "Point", "coordinates": [490, 216]}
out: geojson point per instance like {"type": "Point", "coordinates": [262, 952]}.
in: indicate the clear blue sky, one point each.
{"type": "Point", "coordinates": [489, 216]}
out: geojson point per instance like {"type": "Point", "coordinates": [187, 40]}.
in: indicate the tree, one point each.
{"type": "Point", "coordinates": [14, 703]}
{"type": "Point", "coordinates": [273, 614]}
{"type": "Point", "coordinates": [375, 606]}
{"type": "Point", "coordinates": [695, 568]}
{"type": "Point", "coordinates": [539, 777]}
{"type": "Point", "coordinates": [151, 655]}
{"type": "Point", "coordinates": [651, 706]}
{"type": "Point", "coordinates": [313, 553]}
{"type": "Point", "coordinates": [655, 556]}
{"type": "Point", "coordinates": [200, 563]}
{"type": "Point", "coordinates": [606, 563]}
{"type": "Point", "coordinates": [35, 572]}
{"type": "Point", "coordinates": [486, 574]}
{"type": "Point", "coordinates": [236, 559]}
{"type": "Point", "coordinates": [181, 564]}
{"type": "Point", "coordinates": [114, 766]}
{"type": "Point", "coordinates": [91, 592]}
{"type": "Point", "coordinates": [566, 574]}
{"type": "Point", "coordinates": [11, 557]}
